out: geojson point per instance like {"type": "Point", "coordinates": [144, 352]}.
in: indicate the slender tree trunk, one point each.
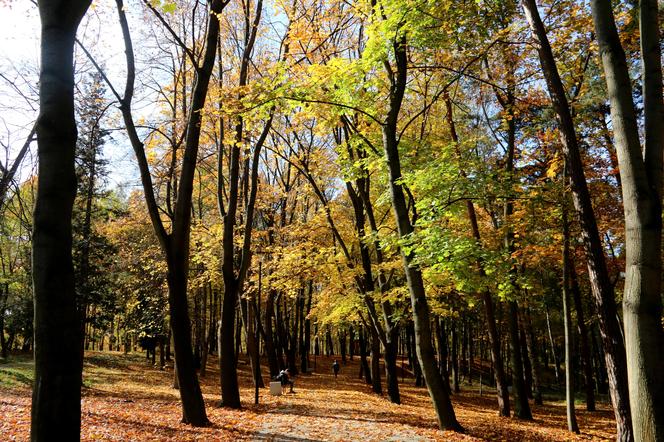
{"type": "Point", "coordinates": [527, 365]}
{"type": "Point", "coordinates": [375, 362]}
{"type": "Point", "coordinates": [614, 349]}
{"type": "Point", "coordinates": [567, 320]}
{"type": "Point", "coordinates": [230, 391]}
{"type": "Point", "coordinates": [521, 406]}
{"type": "Point", "coordinates": [3, 341]}
{"type": "Point", "coordinates": [176, 244]}
{"type": "Point", "coordinates": [252, 343]}
{"type": "Point", "coordinates": [351, 342]}
{"type": "Point", "coordinates": [583, 337]}
{"type": "Point", "coordinates": [441, 336]}
{"type": "Point", "coordinates": [306, 346]}
{"type": "Point", "coordinates": [269, 348]}
{"type": "Point", "coordinates": [455, 359]}
{"type": "Point", "coordinates": [364, 365]}
{"type": "Point", "coordinates": [534, 358]}
{"type": "Point", "coordinates": [420, 307]}
{"type": "Point", "coordinates": [554, 356]}
{"type": "Point", "coordinates": [471, 351]}
{"type": "Point", "coordinates": [56, 396]}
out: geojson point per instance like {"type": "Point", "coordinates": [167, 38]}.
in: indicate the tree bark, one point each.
{"type": "Point", "coordinates": [641, 179]}
{"type": "Point", "coordinates": [534, 358]}
{"type": "Point", "coordinates": [56, 396]}
{"type": "Point", "coordinates": [583, 338]}
{"type": "Point", "coordinates": [441, 336]}
{"type": "Point", "coordinates": [230, 390]}
{"type": "Point", "coordinates": [375, 362]}
{"type": "Point", "coordinates": [455, 359]}
{"type": "Point", "coordinates": [364, 365]}
{"type": "Point", "coordinates": [269, 348]}
{"type": "Point", "coordinates": [572, 425]}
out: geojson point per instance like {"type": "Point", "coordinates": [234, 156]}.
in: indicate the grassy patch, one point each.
{"type": "Point", "coordinates": [16, 371]}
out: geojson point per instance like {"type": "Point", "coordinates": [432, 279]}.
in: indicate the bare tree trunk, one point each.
{"type": "Point", "coordinates": [364, 365]}
{"type": "Point", "coordinates": [572, 425]}
{"type": "Point", "coordinates": [56, 396]}
{"type": "Point", "coordinates": [554, 355]}
{"type": "Point", "coordinates": [641, 179]}
{"type": "Point", "coordinates": [375, 362]}
{"type": "Point", "coordinates": [269, 335]}
{"type": "Point", "coordinates": [534, 358]}
{"type": "Point", "coordinates": [252, 343]}
{"type": "Point", "coordinates": [583, 337]}
{"type": "Point", "coordinates": [455, 359]}
{"type": "Point", "coordinates": [230, 390]}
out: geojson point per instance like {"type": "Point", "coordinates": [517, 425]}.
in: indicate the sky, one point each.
{"type": "Point", "coordinates": [19, 61]}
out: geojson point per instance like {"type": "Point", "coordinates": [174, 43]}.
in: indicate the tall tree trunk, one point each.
{"type": "Point", "coordinates": [56, 396]}
{"type": "Point", "coordinates": [375, 362]}
{"type": "Point", "coordinates": [641, 179]}
{"type": "Point", "coordinates": [3, 341]}
{"type": "Point", "coordinates": [614, 349]}
{"type": "Point", "coordinates": [364, 365]}
{"type": "Point", "coordinates": [230, 390]}
{"type": "Point", "coordinates": [554, 355]}
{"type": "Point", "coordinates": [534, 358]}
{"type": "Point", "coordinates": [521, 405]}
{"type": "Point", "coordinates": [351, 342]}
{"type": "Point", "coordinates": [270, 347]}
{"type": "Point", "coordinates": [441, 337]}
{"type": "Point", "coordinates": [527, 365]}
{"type": "Point", "coordinates": [193, 407]}
{"type": "Point", "coordinates": [583, 337]}
{"type": "Point", "coordinates": [455, 359]}
{"type": "Point", "coordinates": [471, 351]}
{"type": "Point", "coordinates": [306, 345]}
{"type": "Point", "coordinates": [175, 245]}
{"type": "Point", "coordinates": [420, 307]}
{"type": "Point", "coordinates": [567, 320]}
{"type": "Point", "coordinates": [252, 343]}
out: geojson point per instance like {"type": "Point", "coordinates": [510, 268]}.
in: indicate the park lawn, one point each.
{"type": "Point", "coordinates": [125, 398]}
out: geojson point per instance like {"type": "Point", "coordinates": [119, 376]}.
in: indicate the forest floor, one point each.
{"type": "Point", "coordinates": [126, 399]}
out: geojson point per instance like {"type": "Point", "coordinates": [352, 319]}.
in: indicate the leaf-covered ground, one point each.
{"type": "Point", "coordinates": [126, 399]}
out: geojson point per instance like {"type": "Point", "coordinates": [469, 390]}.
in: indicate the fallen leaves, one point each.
{"type": "Point", "coordinates": [129, 400]}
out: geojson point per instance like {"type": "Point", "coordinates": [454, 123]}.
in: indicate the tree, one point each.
{"type": "Point", "coordinates": [90, 171]}
{"type": "Point", "coordinates": [56, 400]}
{"type": "Point", "coordinates": [175, 245]}
{"type": "Point", "coordinates": [602, 288]}
{"type": "Point", "coordinates": [397, 79]}
{"type": "Point", "coordinates": [235, 275]}
{"type": "Point", "coordinates": [641, 179]}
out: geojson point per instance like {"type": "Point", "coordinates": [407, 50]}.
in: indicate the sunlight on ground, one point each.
{"type": "Point", "coordinates": [124, 398]}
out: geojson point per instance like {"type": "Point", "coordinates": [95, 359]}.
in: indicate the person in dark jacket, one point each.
{"type": "Point", "coordinates": [284, 378]}
{"type": "Point", "coordinates": [335, 367]}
